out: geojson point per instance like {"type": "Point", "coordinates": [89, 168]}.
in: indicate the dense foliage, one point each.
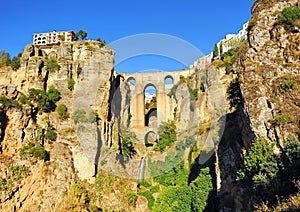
{"type": "Point", "coordinates": [62, 111]}
{"type": "Point", "coordinates": [71, 83]}
{"type": "Point", "coordinates": [289, 17]}
{"type": "Point", "coordinates": [33, 151]}
{"type": "Point", "coordinates": [127, 146]}
{"type": "Point", "coordinates": [52, 65]}
{"type": "Point", "coordinates": [167, 135]}
{"type": "Point", "coordinates": [45, 100]}
{"type": "Point", "coordinates": [270, 177]}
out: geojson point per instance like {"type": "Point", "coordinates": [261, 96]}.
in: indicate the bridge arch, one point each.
{"type": "Point", "coordinates": [169, 82]}
{"type": "Point", "coordinates": [132, 83]}
{"type": "Point", "coordinates": [150, 138]}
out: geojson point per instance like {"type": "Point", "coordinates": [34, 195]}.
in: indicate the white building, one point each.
{"type": "Point", "coordinates": [50, 38]}
{"type": "Point", "coordinates": [232, 40]}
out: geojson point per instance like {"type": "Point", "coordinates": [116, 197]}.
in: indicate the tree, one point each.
{"type": "Point", "coordinates": [127, 147]}
{"type": "Point", "coordinates": [4, 58]}
{"type": "Point", "coordinates": [289, 16]}
{"type": "Point", "coordinates": [71, 83]}
{"type": "Point", "coordinates": [81, 34]}
{"type": "Point", "coordinates": [62, 111]}
{"type": "Point", "coordinates": [52, 65]}
{"type": "Point", "coordinates": [216, 51]}
{"type": "Point", "coordinates": [167, 135]}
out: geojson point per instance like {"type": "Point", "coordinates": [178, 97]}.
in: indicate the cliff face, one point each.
{"type": "Point", "coordinates": [266, 105]}
{"type": "Point", "coordinates": [73, 155]}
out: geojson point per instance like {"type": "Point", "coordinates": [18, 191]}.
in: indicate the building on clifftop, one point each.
{"type": "Point", "coordinates": [50, 38]}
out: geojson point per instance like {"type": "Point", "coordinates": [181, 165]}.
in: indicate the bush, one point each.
{"type": "Point", "coordinates": [288, 17]}
{"type": "Point", "coordinates": [9, 103]}
{"type": "Point", "coordinates": [149, 197]}
{"type": "Point", "coordinates": [201, 187]}
{"type": "Point", "coordinates": [281, 119]}
{"type": "Point", "coordinates": [15, 63]}
{"type": "Point", "coordinates": [167, 135]}
{"type": "Point", "coordinates": [252, 23]}
{"type": "Point", "coordinates": [52, 65]}
{"type": "Point", "coordinates": [79, 116]}
{"type": "Point", "coordinates": [51, 134]}
{"type": "Point", "coordinates": [45, 100]}
{"type": "Point", "coordinates": [259, 163]}
{"type": "Point", "coordinates": [62, 111]}
{"type": "Point", "coordinates": [127, 147]}
{"type": "Point", "coordinates": [174, 199]}
{"type": "Point", "coordinates": [19, 171]}
{"type": "Point", "coordinates": [32, 150]}
{"type": "Point", "coordinates": [4, 58]}
{"type": "Point", "coordinates": [288, 85]}
{"type": "Point", "coordinates": [80, 193]}
{"type": "Point", "coordinates": [71, 83]}
{"type": "Point", "coordinates": [131, 198]}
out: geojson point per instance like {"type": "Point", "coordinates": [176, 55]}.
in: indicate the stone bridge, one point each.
{"type": "Point", "coordinates": [163, 82]}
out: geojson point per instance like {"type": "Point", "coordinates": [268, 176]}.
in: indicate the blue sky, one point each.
{"type": "Point", "coordinates": [200, 23]}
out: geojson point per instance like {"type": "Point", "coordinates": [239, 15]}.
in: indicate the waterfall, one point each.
{"type": "Point", "coordinates": [141, 169]}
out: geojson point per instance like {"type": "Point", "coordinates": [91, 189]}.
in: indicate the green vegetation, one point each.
{"type": "Point", "coordinates": [267, 175]}
{"type": "Point", "coordinates": [194, 93]}
{"type": "Point", "coordinates": [80, 116]}
{"type": "Point", "coordinates": [19, 171]}
{"type": "Point", "coordinates": [289, 17]}
{"type": "Point", "coordinates": [259, 163]}
{"type": "Point", "coordinates": [252, 23]}
{"type": "Point", "coordinates": [62, 112]}
{"type": "Point", "coordinates": [81, 34]}
{"type": "Point", "coordinates": [227, 60]}
{"type": "Point", "coordinates": [127, 146]}
{"type": "Point", "coordinates": [71, 83]}
{"type": "Point", "coordinates": [178, 195]}
{"type": "Point", "coordinates": [52, 65]}
{"type": "Point", "coordinates": [167, 135]}
{"type": "Point", "coordinates": [51, 134]}
{"type": "Point", "coordinates": [45, 100]}
{"type": "Point", "coordinates": [15, 62]}
{"type": "Point", "coordinates": [80, 194]}
{"type": "Point", "coordinates": [288, 85]}
{"type": "Point", "coordinates": [281, 119]}
{"type": "Point", "coordinates": [31, 151]}
{"type": "Point", "coordinates": [102, 42]}
{"type": "Point", "coordinates": [9, 103]}
{"type": "Point", "coordinates": [4, 58]}
{"type": "Point", "coordinates": [131, 198]}
{"type": "Point", "coordinates": [216, 51]}
{"type": "Point", "coordinates": [201, 187]}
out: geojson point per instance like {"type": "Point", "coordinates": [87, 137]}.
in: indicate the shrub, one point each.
{"type": "Point", "coordinates": [62, 111]}
{"type": "Point", "coordinates": [288, 17]}
{"type": "Point", "coordinates": [32, 150]}
{"type": "Point", "coordinates": [127, 147]}
{"type": "Point", "coordinates": [80, 193]}
{"type": "Point", "coordinates": [71, 83]}
{"type": "Point", "coordinates": [19, 171]}
{"type": "Point", "coordinates": [51, 134]}
{"type": "Point", "coordinates": [281, 119]}
{"type": "Point", "coordinates": [167, 135]}
{"type": "Point", "coordinates": [15, 63]}
{"type": "Point", "coordinates": [131, 198]}
{"type": "Point", "coordinates": [216, 51]}
{"type": "Point", "coordinates": [252, 23]}
{"type": "Point", "coordinates": [149, 197]}
{"type": "Point", "coordinates": [52, 65]}
{"type": "Point", "coordinates": [288, 85]}
{"type": "Point", "coordinates": [45, 100]}
{"type": "Point", "coordinates": [79, 116]}
{"type": "Point", "coordinates": [9, 103]}
{"type": "Point", "coordinates": [201, 187]}
{"type": "Point", "coordinates": [259, 163]}
{"type": "Point", "coordinates": [174, 199]}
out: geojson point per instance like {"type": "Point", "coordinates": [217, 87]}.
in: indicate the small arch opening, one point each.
{"type": "Point", "coordinates": [132, 83]}
{"type": "Point", "coordinates": [150, 139]}
{"type": "Point", "coordinates": [150, 106]}
{"type": "Point", "coordinates": [169, 82]}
